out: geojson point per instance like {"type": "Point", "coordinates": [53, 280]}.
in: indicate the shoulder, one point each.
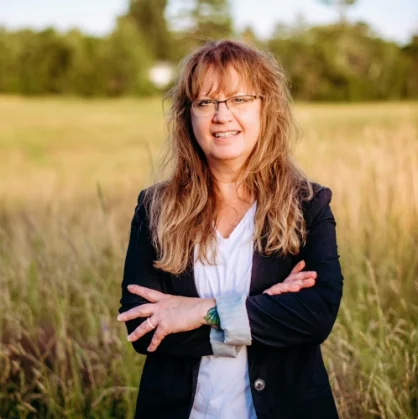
{"type": "Point", "coordinates": [143, 204]}
{"type": "Point", "coordinates": [314, 203]}
{"type": "Point", "coordinates": [145, 199]}
{"type": "Point", "coordinates": [322, 195]}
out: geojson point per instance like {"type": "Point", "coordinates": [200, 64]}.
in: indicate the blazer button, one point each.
{"type": "Point", "coordinates": [259, 384]}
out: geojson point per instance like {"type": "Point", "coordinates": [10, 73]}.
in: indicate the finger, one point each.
{"type": "Point", "coordinates": [301, 283]}
{"type": "Point", "coordinates": [273, 291]}
{"type": "Point", "coordinates": [144, 310]}
{"type": "Point", "coordinates": [276, 289]}
{"type": "Point", "coordinates": [300, 276]}
{"type": "Point", "coordinates": [298, 267]}
{"type": "Point", "coordinates": [144, 328]}
{"type": "Point", "coordinates": [158, 337]}
{"type": "Point", "coordinates": [148, 293]}
{"type": "Point", "coordinates": [294, 286]}
{"type": "Point", "coordinates": [294, 278]}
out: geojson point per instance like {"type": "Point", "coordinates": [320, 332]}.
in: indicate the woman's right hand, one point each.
{"type": "Point", "coordinates": [294, 282]}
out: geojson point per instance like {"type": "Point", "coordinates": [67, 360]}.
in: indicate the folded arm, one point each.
{"type": "Point", "coordinates": [305, 317]}
{"type": "Point", "coordinates": [139, 270]}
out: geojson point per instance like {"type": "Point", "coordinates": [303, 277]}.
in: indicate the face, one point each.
{"type": "Point", "coordinates": [227, 137]}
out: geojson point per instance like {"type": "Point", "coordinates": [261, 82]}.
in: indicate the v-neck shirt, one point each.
{"type": "Point", "coordinates": [223, 389]}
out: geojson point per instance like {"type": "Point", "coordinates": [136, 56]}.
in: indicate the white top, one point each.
{"type": "Point", "coordinates": [223, 389]}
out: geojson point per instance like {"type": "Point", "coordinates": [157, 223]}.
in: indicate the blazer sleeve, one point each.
{"type": "Point", "coordinates": [305, 317]}
{"type": "Point", "coordinates": [139, 270]}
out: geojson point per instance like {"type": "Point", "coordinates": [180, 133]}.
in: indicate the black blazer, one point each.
{"type": "Point", "coordinates": [287, 374]}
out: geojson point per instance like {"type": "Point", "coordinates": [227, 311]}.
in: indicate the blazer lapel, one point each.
{"type": "Point", "coordinates": [184, 283]}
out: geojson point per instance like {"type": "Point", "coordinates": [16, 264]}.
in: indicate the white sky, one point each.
{"type": "Point", "coordinates": [392, 19]}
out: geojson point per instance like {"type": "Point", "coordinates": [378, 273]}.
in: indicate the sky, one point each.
{"type": "Point", "coordinates": [392, 19]}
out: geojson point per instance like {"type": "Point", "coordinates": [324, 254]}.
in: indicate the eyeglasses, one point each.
{"type": "Point", "coordinates": [236, 104]}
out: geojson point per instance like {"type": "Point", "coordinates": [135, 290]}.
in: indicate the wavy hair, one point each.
{"type": "Point", "coordinates": [182, 209]}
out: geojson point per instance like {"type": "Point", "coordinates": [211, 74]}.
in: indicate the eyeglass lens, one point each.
{"type": "Point", "coordinates": [234, 104]}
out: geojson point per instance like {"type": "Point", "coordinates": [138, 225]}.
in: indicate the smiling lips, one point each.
{"type": "Point", "coordinates": [225, 134]}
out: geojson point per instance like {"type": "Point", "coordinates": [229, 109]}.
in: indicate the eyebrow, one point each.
{"type": "Point", "coordinates": [239, 93]}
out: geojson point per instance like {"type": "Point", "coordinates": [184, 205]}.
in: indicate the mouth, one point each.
{"type": "Point", "coordinates": [225, 134]}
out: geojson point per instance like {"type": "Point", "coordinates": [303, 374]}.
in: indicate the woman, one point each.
{"type": "Point", "coordinates": [232, 279]}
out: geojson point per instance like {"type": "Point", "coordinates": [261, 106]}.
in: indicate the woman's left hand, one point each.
{"type": "Point", "coordinates": [166, 313]}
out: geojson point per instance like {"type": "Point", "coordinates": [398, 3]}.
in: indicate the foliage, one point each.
{"type": "Point", "coordinates": [149, 18]}
{"type": "Point", "coordinates": [343, 62]}
{"type": "Point", "coordinates": [47, 62]}
{"type": "Point", "coordinates": [201, 21]}
{"type": "Point", "coordinates": [341, 6]}
{"type": "Point", "coordinates": [411, 80]}
{"type": "Point", "coordinates": [211, 19]}
{"type": "Point", "coordinates": [337, 62]}
{"type": "Point", "coordinates": [125, 61]}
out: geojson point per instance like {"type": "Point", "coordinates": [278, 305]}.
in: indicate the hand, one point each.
{"type": "Point", "coordinates": [166, 313]}
{"type": "Point", "coordinates": [294, 282]}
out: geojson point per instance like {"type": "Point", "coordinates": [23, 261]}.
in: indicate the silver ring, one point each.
{"type": "Point", "coordinates": [150, 324]}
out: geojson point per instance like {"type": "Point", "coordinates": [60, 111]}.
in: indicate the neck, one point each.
{"type": "Point", "coordinates": [228, 184]}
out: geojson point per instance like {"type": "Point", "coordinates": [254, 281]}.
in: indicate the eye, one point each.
{"type": "Point", "coordinates": [238, 100]}
{"type": "Point", "coordinates": [204, 102]}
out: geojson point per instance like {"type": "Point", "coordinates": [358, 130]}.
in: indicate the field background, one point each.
{"type": "Point", "coordinates": [70, 172]}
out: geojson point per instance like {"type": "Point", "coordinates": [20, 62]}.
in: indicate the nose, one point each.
{"type": "Point", "coordinates": [222, 114]}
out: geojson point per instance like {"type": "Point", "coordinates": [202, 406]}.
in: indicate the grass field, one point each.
{"type": "Point", "coordinates": [70, 172]}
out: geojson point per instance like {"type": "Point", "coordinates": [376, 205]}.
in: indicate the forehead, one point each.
{"type": "Point", "coordinates": [227, 81]}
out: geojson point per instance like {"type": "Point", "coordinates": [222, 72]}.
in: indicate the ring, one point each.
{"type": "Point", "coordinates": [150, 324]}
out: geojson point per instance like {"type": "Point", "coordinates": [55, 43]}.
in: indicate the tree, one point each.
{"type": "Point", "coordinates": [341, 62]}
{"type": "Point", "coordinates": [42, 61]}
{"type": "Point", "coordinates": [341, 6]}
{"type": "Point", "coordinates": [125, 61]}
{"type": "Point", "coordinates": [84, 77]}
{"type": "Point", "coordinates": [212, 19]}
{"type": "Point", "coordinates": [149, 17]}
{"type": "Point", "coordinates": [248, 35]}
{"type": "Point", "coordinates": [202, 21]}
{"type": "Point", "coordinates": [410, 53]}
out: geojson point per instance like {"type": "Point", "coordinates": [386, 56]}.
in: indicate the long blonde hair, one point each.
{"type": "Point", "coordinates": [183, 208]}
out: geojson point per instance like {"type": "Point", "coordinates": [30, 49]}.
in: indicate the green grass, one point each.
{"type": "Point", "coordinates": [70, 173]}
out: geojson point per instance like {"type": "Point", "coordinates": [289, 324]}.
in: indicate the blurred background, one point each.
{"type": "Point", "coordinates": [346, 50]}
{"type": "Point", "coordinates": [81, 131]}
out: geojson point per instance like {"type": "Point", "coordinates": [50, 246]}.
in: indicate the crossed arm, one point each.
{"type": "Point", "coordinates": [300, 310]}
{"type": "Point", "coordinates": [170, 314]}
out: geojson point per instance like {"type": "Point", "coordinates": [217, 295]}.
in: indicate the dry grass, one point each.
{"type": "Point", "coordinates": [70, 172]}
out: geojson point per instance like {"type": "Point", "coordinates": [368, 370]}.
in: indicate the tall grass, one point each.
{"type": "Point", "coordinates": [70, 173]}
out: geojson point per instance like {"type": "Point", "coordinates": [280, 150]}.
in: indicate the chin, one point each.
{"type": "Point", "coordinates": [228, 156]}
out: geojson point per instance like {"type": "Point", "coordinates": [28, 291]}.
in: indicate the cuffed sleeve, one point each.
{"type": "Point", "coordinates": [219, 347]}
{"type": "Point", "coordinates": [233, 317]}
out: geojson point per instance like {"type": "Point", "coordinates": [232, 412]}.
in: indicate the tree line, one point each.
{"type": "Point", "coordinates": [340, 62]}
